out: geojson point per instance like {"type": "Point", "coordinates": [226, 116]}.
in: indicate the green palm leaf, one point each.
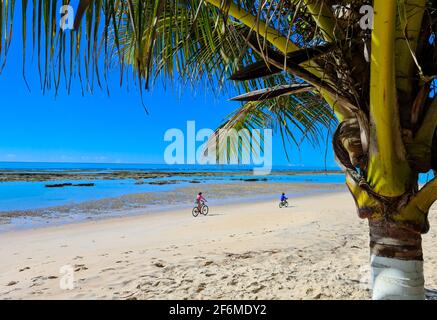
{"type": "Point", "coordinates": [269, 93]}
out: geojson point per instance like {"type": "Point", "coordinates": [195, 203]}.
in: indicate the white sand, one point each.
{"type": "Point", "coordinates": [317, 249]}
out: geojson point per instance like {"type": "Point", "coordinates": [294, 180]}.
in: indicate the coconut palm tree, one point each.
{"type": "Point", "coordinates": [367, 67]}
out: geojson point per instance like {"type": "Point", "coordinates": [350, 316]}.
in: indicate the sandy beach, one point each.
{"type": "Point", "coordinates": [315, 249]}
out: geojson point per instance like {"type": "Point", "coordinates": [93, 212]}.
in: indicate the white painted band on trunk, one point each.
{"type": "Point", "coordinates": [395, 279]}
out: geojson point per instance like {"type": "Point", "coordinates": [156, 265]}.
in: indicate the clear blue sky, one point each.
{"type": "Point", "coordinates": [98, 128]}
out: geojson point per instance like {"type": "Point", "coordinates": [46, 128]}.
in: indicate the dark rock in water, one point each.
{"type": "Point", "coordinates": [250, 179]}
{"type": "Point", "coordinates": [84, 185]}
{"type": "Point", "coordinates": [62, 185]}
{"type": "Point", "coordinates": [254, 179]}
{"type": "Point", "coordinates": [160, 183]}
{"type": "Point", "coordinates": [58, 185]}
{"type": "Point", "coordinates": [194, 181]}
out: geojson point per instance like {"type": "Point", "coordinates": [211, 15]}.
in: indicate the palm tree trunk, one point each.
{"type": "Point", "coordinates": [396, 262]}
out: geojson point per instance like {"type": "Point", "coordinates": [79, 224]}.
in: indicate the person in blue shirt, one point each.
{"type": "Point", "coordinates": [283, 197]}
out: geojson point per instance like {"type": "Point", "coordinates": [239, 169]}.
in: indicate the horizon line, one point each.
{"type": "Point", "coordinates": [150, 163]}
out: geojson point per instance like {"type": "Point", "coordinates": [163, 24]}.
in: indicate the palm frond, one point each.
{"type": "Point", "coordinates": [195, 42]}
{"type": "Point", "coordinates": [253, 71]}
{"type": "Point", "coordinates": [300, 117]}
{"type": "Point", "coordinates": [269, 93]}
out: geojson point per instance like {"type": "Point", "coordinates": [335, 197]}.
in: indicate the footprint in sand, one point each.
{"type": "Point", "coordinates": [36, 292]}
{"type": "Point", "coordinates": [11, 283]}
{"type": "Point", "coordinates": [201, 287]}
{"type": "Point", "coordinates": [25, 268]}
{"type": "Point", "coordinates": [233, 282]}
{"type": "Point", "coordinates": [159, 265]}
{"type": "Point", "coordinates": [256, 290]}
{"type": "Point", "coordinates": [35, 285]}
{"type": "Point", "coordinates": [79, 267]}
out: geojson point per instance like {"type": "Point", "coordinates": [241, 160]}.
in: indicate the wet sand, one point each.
{"type": "Point", "coordinates": [181, 197]}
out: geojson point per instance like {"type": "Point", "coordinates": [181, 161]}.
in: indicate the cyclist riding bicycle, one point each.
{"type": "Point", "coordinates": [283, 197]}
{"type": "Point", "coordinates": [199, 201]}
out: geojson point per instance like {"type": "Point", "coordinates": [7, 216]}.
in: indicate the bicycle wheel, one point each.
{"type": "Point", "coordinates": [195, 212]}
{"type": "Point", "coordinates": [205, 210]}
{"type": "Point", "coordinates": [286, 204]}
{"type": "Point", "coordinates": [281, 205]}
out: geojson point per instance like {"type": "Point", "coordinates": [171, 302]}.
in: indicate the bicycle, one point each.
{"type": "Point", "coordinates": [283, 204]}
{"type": "Point", "coordinates": [203, 209]}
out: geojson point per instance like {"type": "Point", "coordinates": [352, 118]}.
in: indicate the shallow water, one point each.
{"type": "Point", "coordinates": [31, 204]}
{"type": "Point", "coordinates": [180, 197]}
{"type": "Point", "coordinates": [34, 195]}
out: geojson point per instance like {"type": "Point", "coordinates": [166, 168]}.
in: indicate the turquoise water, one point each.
{"type": "Point", "coordinates": [34, 195]}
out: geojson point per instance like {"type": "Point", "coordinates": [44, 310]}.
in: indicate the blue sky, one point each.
{"type": "Point", "coordinates": [97, 128]}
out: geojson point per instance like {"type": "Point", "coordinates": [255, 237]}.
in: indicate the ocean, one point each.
{"type": "Point", "coordinates": [24, 195]}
